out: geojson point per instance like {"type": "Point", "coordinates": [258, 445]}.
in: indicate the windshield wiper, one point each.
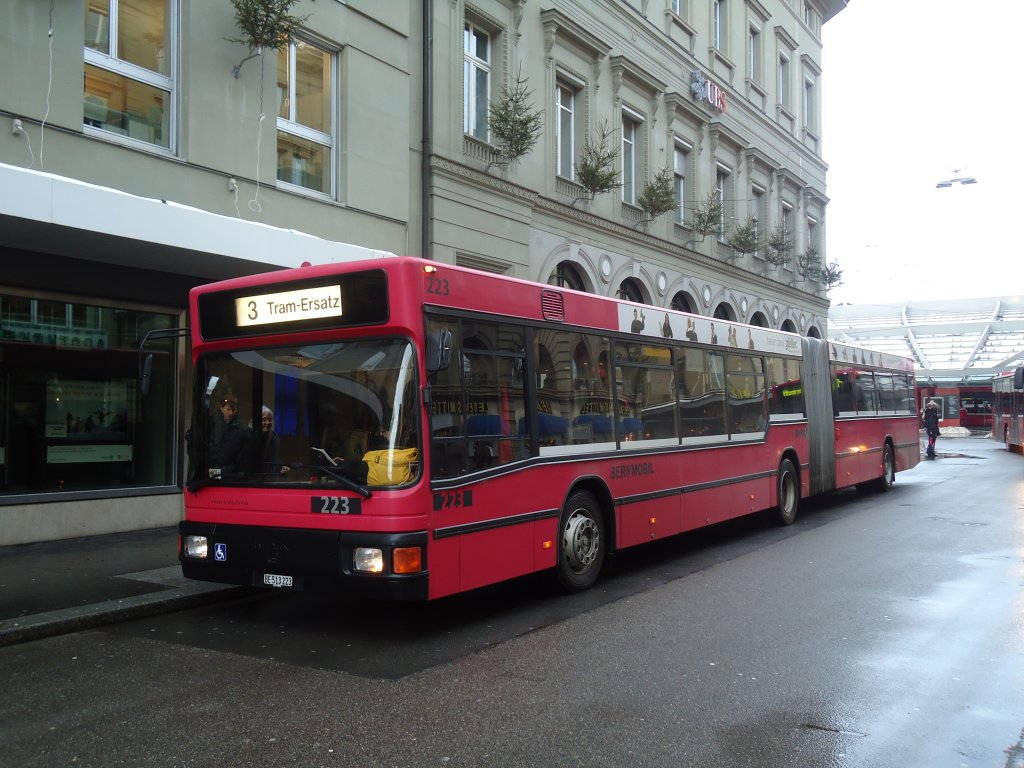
{"type": "Point", "coordinates": [332, 470]}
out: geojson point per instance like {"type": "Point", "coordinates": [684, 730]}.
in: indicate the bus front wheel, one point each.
{"type": "Point", "coordinates": [789, 493]}
{"type": "Point", "coordinates": [581, 542]}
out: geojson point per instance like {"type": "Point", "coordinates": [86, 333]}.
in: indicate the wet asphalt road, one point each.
{"type": "Point", "coordinates": [878, 631]}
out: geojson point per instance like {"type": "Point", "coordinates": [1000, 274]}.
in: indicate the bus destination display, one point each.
{"type": "Point", "coordinates": [288, 306]}
{"type": "Point", "coordinates": [295, 306]}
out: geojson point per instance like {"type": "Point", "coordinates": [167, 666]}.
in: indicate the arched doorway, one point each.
{"type": "Point", "coordinates": [725, 312]}
{"type": "Point", "coordinates": [567, 275]}
{"type": "Point", "coordinates": [631, 290]}
{"type": "Point", "coordinates": [682, 303]}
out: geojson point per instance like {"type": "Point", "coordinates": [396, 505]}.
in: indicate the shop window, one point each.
{"type": "Point", "coordinates": [76, 422]}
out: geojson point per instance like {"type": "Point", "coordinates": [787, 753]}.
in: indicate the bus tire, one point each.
{"type": "Point", "coordinates": [884, 483]}
{"type": "Point", "coordinates": [788, 493]}
{"type": "Point", "coordinates": [582, 542]}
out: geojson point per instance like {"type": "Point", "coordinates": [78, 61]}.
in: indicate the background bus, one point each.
{"type": "Point", "coordinates": [1008, 409]}
{"type": "Point", "coordinates": [438, 429]}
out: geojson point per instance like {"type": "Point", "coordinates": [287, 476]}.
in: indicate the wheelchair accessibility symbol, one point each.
{"type": "Point", "coordinates": [220, 553]}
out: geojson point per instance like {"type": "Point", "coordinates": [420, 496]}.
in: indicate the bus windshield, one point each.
{"type": "Point", "coordinates": [309, 414]}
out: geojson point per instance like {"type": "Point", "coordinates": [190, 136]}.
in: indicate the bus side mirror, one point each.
{"type": "Point", "coordinates": [439, 350]}
{"type": "Point", "coordinates": [1018, 377]}
{"type": "Point", "coordinates": [146, 373]}
{"type": "Point", "coordinates": [146, 358]}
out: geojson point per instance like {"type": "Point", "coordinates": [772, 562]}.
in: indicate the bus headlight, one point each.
{"type": "Point", "coordinates": [197, 547]}
{"type": "Point", "coordinates": [368, 560]}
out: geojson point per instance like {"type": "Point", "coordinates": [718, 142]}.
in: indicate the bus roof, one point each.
{"type": "Point", "coordinates": [440, 286]}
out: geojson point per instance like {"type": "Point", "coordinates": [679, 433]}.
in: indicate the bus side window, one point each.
{"type": "Point", "coordinates": [866, 392]}
{"type": "Point", "coordinates": [447, 422]}
{"type": "Point", "coordinates": [843, 380]}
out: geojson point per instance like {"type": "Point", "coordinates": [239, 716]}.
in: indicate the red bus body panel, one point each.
{"type": "Point", "coordinates": [511, 527]}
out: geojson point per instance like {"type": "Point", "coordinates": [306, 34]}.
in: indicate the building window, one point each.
{"type": "Point", "coordinates": [305, 116]}
{"type": "Point", "coordinates": [810, 106]}
{"type": "Point", "coordinates": [754, 55]}
{"type": "Point", "coordinates": [811, 19]}
{"type": "Point", "coordinates": [71, 421]}
{"type": "Point", "coordinates": [787, 222]}
{"type": "Point", "coordinates": [812, 236]}
{"type": "Point", "coordinates": [629, 126]}
{"type": "Point", "coordinates": [129, 90]}
{"type": "Point", "coordinates": [681, 159]}
{"type": "Point", "coordinates": [718, 25]}
{"type": "Point", "coordinates": [724, 200]}
{"type": "Point", "coordinates": [757, 211]}
{"type": "Point", "coordinates": [783, 84]}
{"type": "Point", "coordinates": [476, 75]}
{"type": "Point", "coordinates": [565, 127]}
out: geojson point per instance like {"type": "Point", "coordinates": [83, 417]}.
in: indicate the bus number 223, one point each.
{"type": "Point", "coordinates": [335, 505]}
{"type": "Point", "coordinates": [452, 500]}
{"type": "Point", "coordinates": [437, 285]}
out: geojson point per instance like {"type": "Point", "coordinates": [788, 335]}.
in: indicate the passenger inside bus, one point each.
{"type": "Point", "coordinates": [228, 438]}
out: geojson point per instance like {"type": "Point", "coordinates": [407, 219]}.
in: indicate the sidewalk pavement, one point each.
{"type": "Point", "coordinates": [56, 587]}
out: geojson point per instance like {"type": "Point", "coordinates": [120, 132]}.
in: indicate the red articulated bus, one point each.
{"type": "Point", "coordinates": [1008, 409]}
{"type": "Point", "coordinates": [434, 429]}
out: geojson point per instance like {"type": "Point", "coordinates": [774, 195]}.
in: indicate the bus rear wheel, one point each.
{"type": "Point", "coordinates": [789, 493]}
{"type": "Point", "coordinates": [884, 483]}
{"type": "Point", "coordinates": [581, 542]}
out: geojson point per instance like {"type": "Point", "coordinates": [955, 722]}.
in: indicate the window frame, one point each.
{"type": "Point", "coordinates": [629, 126]}
{"type": "Point", "coordinates": [754, 54]}
{"type": "Point", "coordinates": [723, 177]}
{"type": "Point", "coordinates": [472, 65]}
{"type": "Point", "coordinates": [290, 127]}
{"type": "Point", "coordinates": [109, 62]}
{"type": "Point", "coordinates": [810, 108]}
{"type": "Point", "coordinates": [562, 84]}
{"type": "Point", "coordinates": [684, 150]}
{"type": "Point", "coordinates": [783, 83]}
{"type": "Point", "coordinates": [757, 210]}
{"type": "Point", "coordinates": [719, 29]}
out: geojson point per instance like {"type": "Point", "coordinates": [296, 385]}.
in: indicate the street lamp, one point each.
{"type": "Point", "coordinates": [956, 180]}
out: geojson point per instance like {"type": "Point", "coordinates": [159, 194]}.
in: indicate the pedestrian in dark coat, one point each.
{"type": "Point", "coordinates": [931, 426]}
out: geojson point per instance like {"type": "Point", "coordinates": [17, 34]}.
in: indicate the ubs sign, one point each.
{"type": "Point", "coordinates": [704, 90]}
